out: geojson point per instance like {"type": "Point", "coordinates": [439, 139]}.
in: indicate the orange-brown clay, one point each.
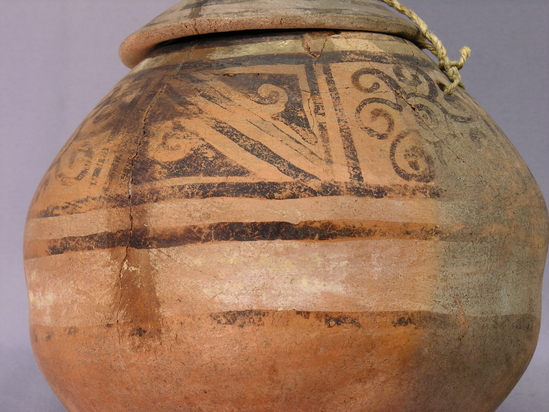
{"type": "Point", "coordinates": [285, 221]}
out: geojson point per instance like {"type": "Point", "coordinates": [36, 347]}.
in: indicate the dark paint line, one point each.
{"type": "Point", "coordinates": [248, 190]}
{"type": "Point", "coordinates": [413, 319]}
{"type": "Point", "coordinates": [319, 111]}
{"type": "Point", "coordinates": [317, 231]}
{"type": "Point", "coordinates": [353, 164]}
{"type": "Point", "coordinates": [259, 150]}
{"type": "Point", "coordinates": [300, 58]}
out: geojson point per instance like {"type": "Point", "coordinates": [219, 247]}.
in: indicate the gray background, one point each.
{"type": "Point", "coordinates": [58, 58]}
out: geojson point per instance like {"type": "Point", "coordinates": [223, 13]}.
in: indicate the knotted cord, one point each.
{"type": "Point", "coordinates": [434, 45]}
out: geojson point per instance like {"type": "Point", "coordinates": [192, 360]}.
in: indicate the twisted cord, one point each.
{"type": "Point", "coordinates": [435, 46]}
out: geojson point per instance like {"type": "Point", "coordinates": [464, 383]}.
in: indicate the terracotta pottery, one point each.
{"type": "Point", "coordinates": [284, 220]}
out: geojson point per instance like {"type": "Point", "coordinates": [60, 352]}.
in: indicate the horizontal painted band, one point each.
{"type": "Point", "coordinates": [379, 322]}
{"type": "Point", "coordinates": [328, 230]}
{"type": "Point", "coordinates": [161, 192]}
{"type": "Point", "coordinates": [180, 213]}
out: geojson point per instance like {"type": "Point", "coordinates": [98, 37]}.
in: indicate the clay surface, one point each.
{"type": "Point", "coordinates": [286, 222]}
{"type": "Point", "coordinates": [197, 17]}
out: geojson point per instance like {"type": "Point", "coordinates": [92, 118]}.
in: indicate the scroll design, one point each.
{"type": "Point", "coordinates": [410, 160]}
{"type": "Point", "coordinates": [387, 95]}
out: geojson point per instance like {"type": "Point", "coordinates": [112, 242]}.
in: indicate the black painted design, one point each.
{"type": "Point", "coordinates": [231, 105]}
{"type": "Point", "coordinates": [282, 191]}
{"type": "Point", "coordinates": [275, 89]}
{"type": "Point", "coordinates": [104, 240]}
{"type": "Point", "coordinates": [376, 114]}
{"type": "Point", "coordinates": [181, 153]}
{"type": "Point", "coordinates": [353, 164]}
{"type": "Point", "coordinates": [276, 116]}
{"type": "Point", "coordinates": [318, 231]}
{"type": "Point", "coordinates": [409, 156]}
{"type": "Point", "coordinates": [240, 318]}
{"type": "Point", "coordinates": [410, 160]}
{"type": "Point", "coordinates": [319, 111]}
{"type": "Point", "coordinates": [251, 190]}
{"type": "Point", "coordinates": [247, 318]}
{"type": "Point", "coordinates": [197, 6]}
{"type": "Point", "coordinates": [261, 151]}
{"type": "Point", "coordinates": [93, 145]}
{"type": "Point", "coordinates": [334, 320]}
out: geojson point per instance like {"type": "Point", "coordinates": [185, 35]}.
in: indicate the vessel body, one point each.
{"type": "Point", "coordinates": [286, 221]}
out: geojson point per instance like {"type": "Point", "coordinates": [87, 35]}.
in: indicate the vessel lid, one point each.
{"type": "Point", "coordinates": [194, 17]}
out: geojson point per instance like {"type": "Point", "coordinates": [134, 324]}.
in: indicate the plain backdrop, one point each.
{"type": "Point", "coordinates": [58, 58]}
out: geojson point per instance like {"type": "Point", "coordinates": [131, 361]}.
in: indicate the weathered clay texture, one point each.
{"type": "Point", "coordinates": [198, 17]}
{"type": "Point", "coordinates": [286, 222]}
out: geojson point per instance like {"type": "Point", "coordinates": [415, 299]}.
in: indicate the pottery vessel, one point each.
{"type": "Point", "coordinates": [284, 220]}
